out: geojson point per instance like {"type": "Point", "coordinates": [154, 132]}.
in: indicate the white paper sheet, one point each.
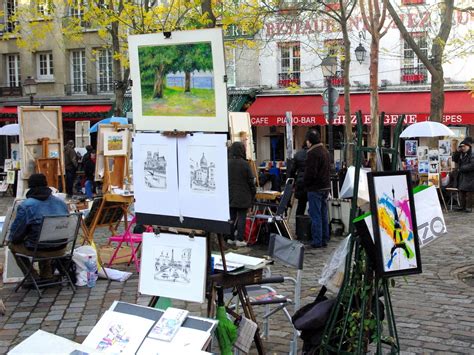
{"type": "Point", "coordinates": [41, 342]}
{"type": "Point", "coordinates": [203, 177]}
{"type": "Point", "coordinates": [118, 333]}
{"type": "Point", "coordinates": [155, 174]}
{"type": "Point", "coordinates": [173, 266]}
{"type": "Point", "coordinates": [157, 347]}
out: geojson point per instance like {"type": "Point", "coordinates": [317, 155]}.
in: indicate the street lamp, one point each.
{"type": "Point", "coordinates": [29, 87]}
{"type": "Point", "coordinates": [360, 51]}
{"type": "Point", "coordinates": [329, 68]}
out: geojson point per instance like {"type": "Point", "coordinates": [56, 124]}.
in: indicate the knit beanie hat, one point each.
{"type": "Point", "coordinates": [466, 141]}
{"type": "Point", "coordinates": [37, 180]}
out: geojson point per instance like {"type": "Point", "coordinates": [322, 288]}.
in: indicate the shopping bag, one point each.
{"type": "Point", "coordinates": [83, 257]}
{"type": "Point", "coordinates": [429, 216]}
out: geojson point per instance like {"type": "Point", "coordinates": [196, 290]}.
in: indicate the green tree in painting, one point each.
{"type": "Point", "coordinates": [195, 57]}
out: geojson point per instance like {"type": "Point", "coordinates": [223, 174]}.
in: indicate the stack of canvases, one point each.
{"type": "Point", "coordinates": [180, 179]}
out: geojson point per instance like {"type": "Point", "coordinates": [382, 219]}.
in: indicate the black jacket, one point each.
{"type": "Point", "coordinates": [89, 167]}
{"type": "Point", "coordinates": [241, 180]}
{"type": "Point", "coordinates": [297, 172]}
{"type": "Point", "coordinates": [466, 170]}
{"type": "Point", "coordinates": [317, 173]}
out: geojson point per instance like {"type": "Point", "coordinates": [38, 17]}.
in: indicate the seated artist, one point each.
{"type": "Point", "coordinates": [26, 227]}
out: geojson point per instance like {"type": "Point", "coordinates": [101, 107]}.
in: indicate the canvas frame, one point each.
{"type": "Point", "coordinates": [240, 122]}
{"type": "Point", "coordinates": [380, 271]}
{"type": "Point", "coordinates": [216, 123]}
{"type": "Point", "coordinates": [115, 152]}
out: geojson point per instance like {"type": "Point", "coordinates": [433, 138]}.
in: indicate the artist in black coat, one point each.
{"type": "Point", "coordinates": [299, 165]}
{"type": "Point", "coordinates": [465, 160]}
{"type": "Point", "coordinates": [241, 191]}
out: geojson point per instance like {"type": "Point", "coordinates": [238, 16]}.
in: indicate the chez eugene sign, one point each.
{"type": "Point", "coordinates": [390, 120]}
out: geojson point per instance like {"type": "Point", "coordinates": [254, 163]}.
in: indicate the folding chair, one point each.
{"type": "Point", "coordinates": [290, 253]}
{"type": "Point", "coordinates": [56, 231]}
{"type": "Point", "coordinates": [279, 216]}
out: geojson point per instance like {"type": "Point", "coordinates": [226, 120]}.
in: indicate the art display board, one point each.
{"type": "Point", "coordinates": [240, 122]}
{"type": "Point", "coordinates": [163, 69]}
{"type": "Point", "coordinates": [36, 123]}
{"type": "Point", "coordinates": [116, 143]}
{"type": "Point", "coordinates": [117, 333]}
{"type": "Point", "coordinates": [100, 160]}
{"type": "Point", "coordinates": [173, 266]}
{"type": "Point", "coordinates": [394, 223]}
{"type": "Point", "coordinates": [200, 190]}
{"type": "Point", "coordinates": [83, 137]}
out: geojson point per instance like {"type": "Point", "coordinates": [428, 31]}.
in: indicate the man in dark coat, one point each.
{"type": "Point", "coordinates": [465, 160]}
{"type": "Point", "coordinates": [70, 165]}
{"type": "Point", "coordinates": [297, 172]}
{"type": "Point", "coordinates": [88, 163]}
{"type": "Point", "coordinates": [241, 192]}
{"type": "Point", "coordinates": [318, 184]}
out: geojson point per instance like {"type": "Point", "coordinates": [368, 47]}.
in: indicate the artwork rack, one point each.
{"type": "Point", "coordinates": [357, 277]}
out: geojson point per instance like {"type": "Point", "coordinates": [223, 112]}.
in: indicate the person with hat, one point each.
{"type": "Point", "coordinates": [26, 227]}
{"type": "Point", "coordinates": [465, 160]}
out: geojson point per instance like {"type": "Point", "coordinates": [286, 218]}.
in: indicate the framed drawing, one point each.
{"type": "Point", "coordinates": [116, 143]}
{"type": "Point", "coordinates": [178, 82]}
{"type": "Point", "coordinates": [444, 147]}
{"type": "Point", "coordinates": [155, 174]}
{"type": "Point", "coordinates": [10, 177]}
{"type": "Point", "coordinates": [422, 152]}
{"type": "Point", "coordinates": [203, 177]}
{"type": "Point", "coordinates": [173, 266]}
{"type": "Point", "coordinates": [394, 223]}
{"type": "Point", "coordinates": [410, 148]}
{"type": "Point", "coordinates": [8, 165]}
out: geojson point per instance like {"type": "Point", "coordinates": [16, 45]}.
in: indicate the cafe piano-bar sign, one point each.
{"type": "Point", "coordinates": [390, 120]}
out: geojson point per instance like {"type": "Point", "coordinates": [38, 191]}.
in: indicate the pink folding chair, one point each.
{"type": "Point", "coordinates": [131, 239]}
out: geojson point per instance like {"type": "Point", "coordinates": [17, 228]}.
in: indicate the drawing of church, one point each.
{"type": "Point", "coordinates": [203, 174]}
{"type": "Point", "coordinates": [155, 163]}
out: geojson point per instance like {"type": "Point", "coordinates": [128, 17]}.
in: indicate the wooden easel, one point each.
{"type": "Point", "coordinates": [50, 167]}
{"type": "Point", "coordinates": [116, 168]}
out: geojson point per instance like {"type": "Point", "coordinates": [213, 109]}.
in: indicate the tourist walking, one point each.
{"type": "Point", "coordinates": [465, 160]}
{"type": "Point", "coordinates": [242, 192]}
{"type": "Point", "coordinates": [317, 183]}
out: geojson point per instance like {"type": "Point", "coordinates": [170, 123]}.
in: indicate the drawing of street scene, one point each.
{"type": "Point", "coordinates": [116, 339]}
{"type": "Point", "coordinates": [173, 265]}
{"type": "Point", "coordinates": [154, 168]}
{"type": "Point", "coordinates": [202, 171]}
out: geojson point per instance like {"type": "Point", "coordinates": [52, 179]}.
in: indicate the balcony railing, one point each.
{"type": "Point", "coordinates": [89, 88]}
{"type": "Point", "coordinates": [414, 75]}
{"type": "Point", "coordinates": [337, 80]}
{"type": "Point", "coordinates": [288, 79]}
{"type": "Point", "coordinates": [6, 90]}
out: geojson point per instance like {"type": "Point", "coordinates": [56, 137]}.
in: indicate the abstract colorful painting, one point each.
{"type": "Point", "coordinates": [394, 223]}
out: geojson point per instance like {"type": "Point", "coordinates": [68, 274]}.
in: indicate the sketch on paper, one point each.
{"type": "Point", "coordinates": [202, 164]}
{"type": "Point", "coordinates": [173, 264]}
{"type": "Point", "coordinates": [422, 152]}
{"type": "Point", "coordinates": [444, 147]}
{"type": "Point", "coordinates": [154, 167]}
{"type": "Point", "coordinates": [116, 339]}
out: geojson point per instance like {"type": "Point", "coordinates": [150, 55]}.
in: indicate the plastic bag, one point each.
{"type": "Point", "coordinates": [333, 272]}
{"type": "Point", "coordinates": [80, 257]}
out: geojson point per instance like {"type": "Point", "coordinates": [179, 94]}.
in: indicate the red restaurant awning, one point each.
{"type": "Point", "coordinates": [70, 112]}
{"type": "Point", "coordinates": [307, 109]}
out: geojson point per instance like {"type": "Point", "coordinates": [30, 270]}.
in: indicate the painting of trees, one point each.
{"type": "Point", "coordinates": [180, 98]}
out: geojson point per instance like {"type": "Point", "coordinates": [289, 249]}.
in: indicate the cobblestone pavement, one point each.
{"type": "Point", "coordinates": [434, 311]}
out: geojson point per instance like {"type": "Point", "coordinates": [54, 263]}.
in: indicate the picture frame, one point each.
{"type": "Point", "coordinates": [174, 266]}
{"type": "Point", "coordinates": [116, 143]}
{"type": "Point", "coordinates": [411, 147]}
{"type": "Point", "coordinates": [433, 179]}
{"type": "Point", "coordinates": [10, 177]}
{"type": "Point", "coordinates": [8, 165]}
{"type": "Point", "coordinates": [161, 102]}
{"type": "Point", "coordinates": [422, 152]}
{"type": "Point", "coordinates": [444, 147]}
{"type": "Point", "coordinates": [394, 224]}
{"type": "Point", "coordinates": [423, 166]}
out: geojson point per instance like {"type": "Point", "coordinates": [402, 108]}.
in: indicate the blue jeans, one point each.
{"type": "Point", "coordinates": [89, 185]}
{"type": "Point", "coordinates": [318, 211]}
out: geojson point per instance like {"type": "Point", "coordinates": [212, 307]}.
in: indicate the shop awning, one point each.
{"type": "Point", "coordinates": [70, 112]}
{"type": "Point", "coordinates": [307, 109]}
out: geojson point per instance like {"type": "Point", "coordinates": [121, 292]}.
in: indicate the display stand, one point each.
{"type": "Point", "coordinates": [202, 228]}
{"type": "Point", "coordinates": [361, 287]}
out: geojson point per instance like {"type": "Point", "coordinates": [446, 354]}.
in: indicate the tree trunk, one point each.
{"type": "Point", "coordinates": [159, 83]}
{"type": "Point", "coordinates": [347, 95]}
{"type": "Point", "coordinates": [374, 96]}
{"type": "Point", "coordinates": [120, 83]}
{"type": "Point", "coordinates": [187, 82]}
{"type": "Point", "coordinates": [206, 8]}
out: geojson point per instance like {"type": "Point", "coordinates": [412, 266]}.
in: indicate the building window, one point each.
{"type": "Point", "coordinates": [44, 66]}
{"type": "Point", "coordinates": [230, 66]}
{"type": "Point", "coordinates": [10, 11]}
{"type": "Point", "coordinates": [335, 48]}
{"type": "Point", "coordinates": [44, 7]}
{"type": "Point", "coordinates": [104, 71]}
{"type": "Point", "coordinates": [413, 71]}
{"type": "Point", "coordinates": [78, 71]}
{"type": "Point", "coordinates": [76, 11]}
{"type": "Point", "coordinates": [290, 64]}
{"type": "Point", "coordinates": [13, 70]}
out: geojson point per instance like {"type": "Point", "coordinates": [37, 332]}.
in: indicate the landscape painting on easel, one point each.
{"type": "Point", "coordinates": [115, 143]}
{"type": "Point", "coordinates": [178, 81]}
